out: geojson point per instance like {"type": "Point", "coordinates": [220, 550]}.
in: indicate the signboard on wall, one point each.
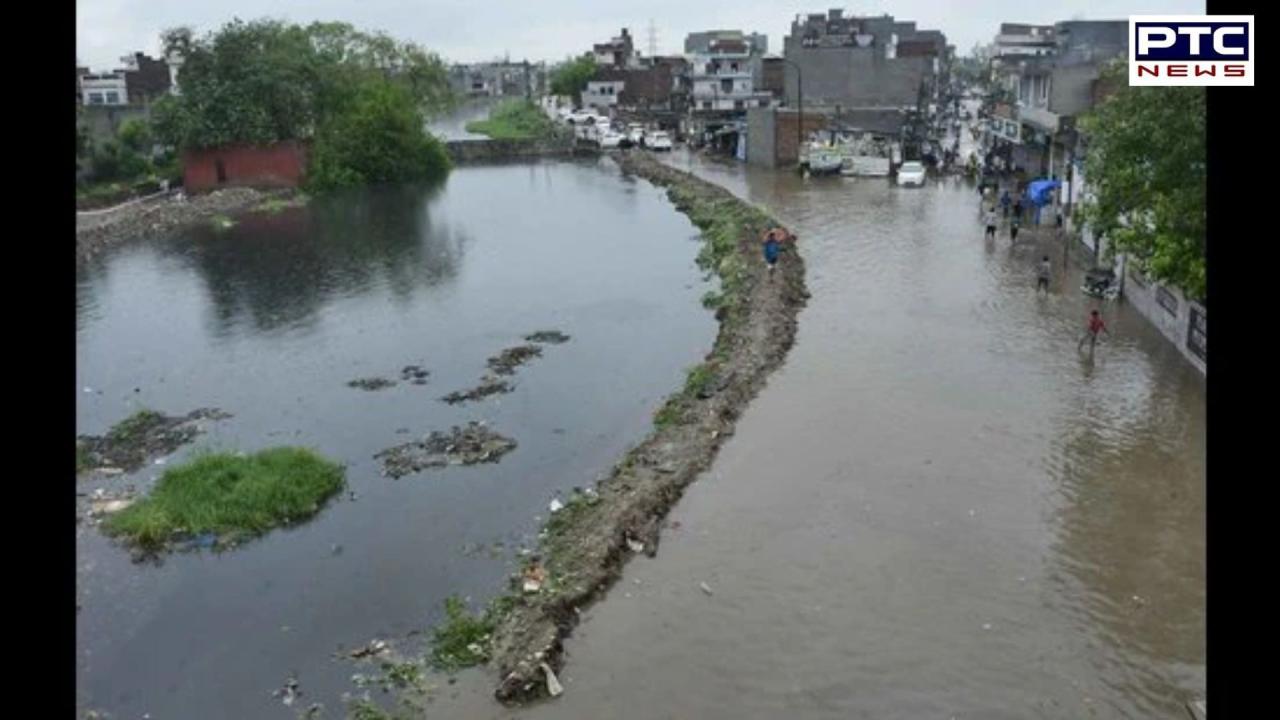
{"type": "Point", "coordinates": [1167, 300]}
{"type": "Point", "coordinates": [1198, 334]}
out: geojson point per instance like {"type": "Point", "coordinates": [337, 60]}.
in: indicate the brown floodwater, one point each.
{"type": "Point", "coordinates": [938, 508]}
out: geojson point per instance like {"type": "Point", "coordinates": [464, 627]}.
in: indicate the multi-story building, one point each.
{"type": "Point", "coordinates": [619, 53]}
{"type": "Point", "coordinates": [147, 78]}
{"type": "Point", "coordinates": [859, 62]}
{"type": "Point", "coordinates": [725, 81]}
{"type": "Point", "coordinates": [701, 42]}
{"type": "Point", "coordinates": [104, 89]}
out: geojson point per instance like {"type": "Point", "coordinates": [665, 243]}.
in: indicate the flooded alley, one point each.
{"type": "Point", "coordinates": [272, 319]}
{"type": "Point", "coordinates": [938, 508]}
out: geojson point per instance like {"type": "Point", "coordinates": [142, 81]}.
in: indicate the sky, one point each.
{"type": "Point", "coordinates": [478, 30]}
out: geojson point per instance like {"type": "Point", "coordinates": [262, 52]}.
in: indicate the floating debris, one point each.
{"type": "Point", "coordinates": [534, 576]}
{"type": "Point", "coordinates": [705, 588]}
{"type": "Point", "coordinates": [506, 362]}
{"type": "Point", "coordinates": [556, 505]}
{"type": "Point", "coordinates": [490, 385]}
{"type": "Point", "coordinates": [414, 374]}
{"type": "Point", "coordinates": [554, 689]}
{"type": "Point", "coordinates": [129, 443]}
{"type": "Point", "coordinates": [468, 445]}
{"type": "Point", "coordinates": [372, 383]}
{"type": "Point", "coordinates": [374, 647]}
{"type": "Point", "coordinates": [289, 693]}
{"type": "Point", "coordinates": [554, 337]}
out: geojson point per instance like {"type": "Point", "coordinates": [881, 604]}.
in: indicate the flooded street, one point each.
{"type": "Point", "coordinates": [270, 320]}
{"type": "Point", "coordinates": [938, 508]}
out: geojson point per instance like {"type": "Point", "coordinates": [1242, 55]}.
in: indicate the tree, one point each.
{"type": "Point", "coordinates": [1145, 165]}
{"type": "Point", "coordinates": [266, 81]}
{"type": "Point", "coordinates": [377, 138]}
{"type": "Point", "coordinates": [571, 78]}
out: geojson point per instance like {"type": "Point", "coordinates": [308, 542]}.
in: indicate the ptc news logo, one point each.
{"type": "Point", "coordinates": [1191, 50]}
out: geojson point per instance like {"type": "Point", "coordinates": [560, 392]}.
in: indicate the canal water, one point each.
{"type": "Point", "coordinates": [269, 320]}
{"type": "Point", "coordinates": [939, 507]}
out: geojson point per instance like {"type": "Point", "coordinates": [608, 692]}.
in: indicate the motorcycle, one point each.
{"type": "Point", "coordinates": [1101, 283]}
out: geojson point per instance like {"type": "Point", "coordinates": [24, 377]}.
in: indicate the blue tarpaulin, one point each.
{"type": "Point", "coordinates": [1040, 192]}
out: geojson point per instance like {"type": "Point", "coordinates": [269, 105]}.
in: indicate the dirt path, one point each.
{"type": "Point", "coordinates": [588, 542]}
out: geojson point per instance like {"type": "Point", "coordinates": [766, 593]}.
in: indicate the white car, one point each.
{"type": "Point", "coordinates": [635, 132]}
{"type": "Point", "coordinates": [911, 173]}
{"type": "Point", "coordinates": [657, 140]}
{"type": "Point", "coordinates": [582, 118]}
{"type": "Point", "coordinates": [611, 138]}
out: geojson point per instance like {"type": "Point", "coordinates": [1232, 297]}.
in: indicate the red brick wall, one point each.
{"type": "Point", "coordinates": [280, 165]}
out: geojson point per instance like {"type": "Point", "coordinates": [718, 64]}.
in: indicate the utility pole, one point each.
{"type": "Point", "coordinates": [653, 39]}
{"type": "Point", "coordinates": [799, 108]}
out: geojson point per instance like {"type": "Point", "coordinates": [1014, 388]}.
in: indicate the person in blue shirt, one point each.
{"type": "Point", "coordinates": [772, 245]}
{"type": "Point", "coordinates": [1005, 200]}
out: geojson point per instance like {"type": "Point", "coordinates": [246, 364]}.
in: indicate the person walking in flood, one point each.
{"type": "Point", "coordinates": [1045, 274]}
{"type": "Point", "coordinates": [772, 246]}
{"type": "Point", "coordinates": [1013, 228]}
{"type": "Point", "coordinates": [1017, 208]}
{"type": "Point", "coordinates": [1005, 200]}
{"type": "Point", "coordinates": [991, 222]}
{"type": "Point", "coordinates": [1095, 326]}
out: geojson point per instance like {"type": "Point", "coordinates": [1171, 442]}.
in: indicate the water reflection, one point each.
{"type": "Point", "coordinates": [277, 271]}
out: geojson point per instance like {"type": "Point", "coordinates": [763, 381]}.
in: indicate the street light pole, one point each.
{"type": "Point", "coordinates": [799, 107]}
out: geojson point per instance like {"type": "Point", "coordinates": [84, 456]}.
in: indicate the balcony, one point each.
{"type": "Point", "coordinates": [1038, 117]}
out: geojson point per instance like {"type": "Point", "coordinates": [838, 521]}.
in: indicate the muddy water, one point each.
{"type": "Point", "coordinates": [937, 509]}
{"type": "Point", "coordinates": [269, 321]}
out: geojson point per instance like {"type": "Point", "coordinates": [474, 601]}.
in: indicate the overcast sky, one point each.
{"type": "Point", "coordinates": [475, 30]}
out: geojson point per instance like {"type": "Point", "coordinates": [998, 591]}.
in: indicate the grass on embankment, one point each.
{"type": "Point", "coordinates": [515, 120]}
{"type": "Point", "coordinates": [230, 495]}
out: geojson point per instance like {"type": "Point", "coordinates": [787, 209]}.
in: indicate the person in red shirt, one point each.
{"type": "Point", "coordinates": [1095, 326]}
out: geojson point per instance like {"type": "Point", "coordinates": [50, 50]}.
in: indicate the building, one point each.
{"type": "Point", "coordinates": [618, 53]}
{"type": "Point", "coordinates": [104, 89]}
{"type": "Point", "coordinates": [701, 42]}
{"type": "Point", "coordinates": [497, 79]}
{"type": "Point", "coordinates": [725, 81]}
{"type": "Point", "coordinates": [146, 78]}
{"type": "Point", "coordinates": [657, 87]}
{"type": "Point", "coordinates": [603, 92]}
{"type": "Point", "coordinates": [855, 62]}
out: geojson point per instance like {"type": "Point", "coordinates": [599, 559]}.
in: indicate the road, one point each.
{"type": "Point", "coordinates": [938, 508]}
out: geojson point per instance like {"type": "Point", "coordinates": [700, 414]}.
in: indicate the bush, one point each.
{"type": "Point", "coordinates": [378, 138]}
{"type": "Point", "coordinates": [515, 120]}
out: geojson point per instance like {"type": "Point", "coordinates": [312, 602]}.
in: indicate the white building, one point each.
{"type": "Point", "coordinates": [725, 80]}
{"type": "Point", "coordinates": [104, 89]}
{"type": "Point", "coordinates": [602, 94]}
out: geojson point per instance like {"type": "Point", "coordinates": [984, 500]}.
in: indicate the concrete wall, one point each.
{"type": "Point", "coordinates": [854, 76]}
{"type": "Point", "coordinates": [280, 165]}
{"type": "Point", "coordinates": [1170, 311]}
{"type": "Point", "coordinates": [771, 135]}
{"type": "Point", "coordinates": [478, 151]}
{"type": "Point", "coordinates": [1071, 90]}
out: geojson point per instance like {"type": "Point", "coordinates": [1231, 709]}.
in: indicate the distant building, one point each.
{"type": "Point", "coordinates": [497, 79]}
{"type": "Point", "coordinates": [701, 42]}
{"type": "Point", "coordinates": [603, 92]}
{"type": "Point", "coordinates": [862, 62]}
{"type": "Point", "coordinates": [104, 89]}
{"type": "Point", "coordinates": [147, 78]}
{"type": "Point", "coordinates": [618, 53]}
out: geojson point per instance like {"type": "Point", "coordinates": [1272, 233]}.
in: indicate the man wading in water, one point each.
{"type": "Point", "coordinates": [1095, 326]}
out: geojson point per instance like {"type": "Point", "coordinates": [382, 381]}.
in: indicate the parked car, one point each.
{"type": "Point", "coordinates": [583, 118]}
{"type": "Point", "coordinates": [635, 133]}
{"type": "Point", "coordinates": [911, 173]}
{"type": "Point", "coordinates": [657, 140]}
{"type": "Point", "coordinates": [611, 139]}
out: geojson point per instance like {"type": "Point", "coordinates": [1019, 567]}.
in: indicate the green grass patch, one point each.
{"type": "Point", "coordinates": [83, 461]}
{"type": "Point", "coordinates": [135, 426]}
{"type": "Point", "coordinates": [698, 380]}
{"type": "Point", "coordinates": [462, 640]}
{"type": "Point", "coordinates": [230, 495]}
{"type": "Point", "coordinates": [515, 120]}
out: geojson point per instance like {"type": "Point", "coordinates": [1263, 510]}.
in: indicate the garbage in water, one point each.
{"type": "Point", "coordinates": [107, 507]}
{"type": "Point", "coordinates": [986, 626]}
{"type": "Point", "coordinates": [335, 549]}
{"type": "Point", "coordinates": [489, 385]}
{"type": "Point", "coordinates": [372, 648]}
{"type": "Point", "coordinates": [414, 374]}
{"type": "Point", "coordinates": [470, 445]}
{"type": "Point", "coordinates": [371, 383]}
{"type": "Point", "coordinates": [705, 588]}
{"type": "Point", "coordinates": [506, 362]}
{"type": "Point", "coordinates": [129, 443]}
{"type": "Point", "coordinates": [554, 337]}
{"type": "Point", "coordinates": [635, 545]}
{"type": "Point", "coordinates": [553, 685]}
{"type": "Point", "coordinates": [289, 693]}
{"type": "Point", "coordinates": [556, 505]}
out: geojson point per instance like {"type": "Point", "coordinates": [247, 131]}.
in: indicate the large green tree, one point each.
{"type": "Point", "coordinates": [572, 76]}
{"type": "Point", "coordinates": [1145, 164]}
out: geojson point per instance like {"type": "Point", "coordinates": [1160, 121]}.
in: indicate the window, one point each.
{"type": "Point", "coordinates": [1166, 300]}
{"type": "Point", "coordinates": [1044, 90]}
{"type": "Point", "coordinates": [113, 98]}
{"type": "Point", "coordinates": [95, 98]}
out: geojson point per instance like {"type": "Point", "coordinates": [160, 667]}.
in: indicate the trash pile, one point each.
{"type": "Point", "coordinates": [506, 362]}
{"type": "Point", "coordinates": [468, 445]}
{"type": "Point", "coordinates": [553, 337]}
{"type": "Point", "coordinates": [128, 444]}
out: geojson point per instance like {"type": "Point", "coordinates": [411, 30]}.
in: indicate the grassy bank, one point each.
{"type": "Point", "coordinates": [515, 120]}
{"type": "Point", "coordinates": [586, 542]}
{"type": "Point", "coordinates": [232, 496]}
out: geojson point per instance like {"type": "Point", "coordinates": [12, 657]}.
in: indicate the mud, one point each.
{"type": "Point", "coordinates": [468, 445]}
{"type": "Point", "coordinates": [490, 385]}
{"type": "Point", "coordinates": [94, 233]}
{"type": "Point", "coordinates": [585, 544]}
{"type": "Point", "coordinates": [371, 384]}
{"type": "Point", "coordinates": [553, 337]}
{"type": "Point", "coordinates": [128, 444]}
{"type": "Point", "coordinates": [506, 362]}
